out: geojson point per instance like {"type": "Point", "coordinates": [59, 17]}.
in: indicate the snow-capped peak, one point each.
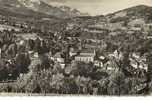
{"type": "Point", "coordinates": [30, 3]}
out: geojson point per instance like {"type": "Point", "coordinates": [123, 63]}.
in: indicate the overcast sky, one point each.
{"type": "Point", "coordinates": [98, 7]}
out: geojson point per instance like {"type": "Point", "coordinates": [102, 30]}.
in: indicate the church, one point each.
{"type": "Point", "coordinates": [86, 55]}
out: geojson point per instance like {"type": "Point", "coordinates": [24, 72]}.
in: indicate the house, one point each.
{"type": "Point", "coordinates": [98, 63]}
{"type": "Point", "coordinates": [36, 55]}
{"type": "Point", "coordinates": [9, 28]}
{"type": "Point", "coordinates": [28, 36]}
{"type": "Point", "coordinates": [102, 57]}
{"type": "Point", "coordinates": [149, 37]}
{"type": "Point", "coordinates": [86, 55]}
{"type": "Point", "coordinates": [148, 27]}
{"type": "Point", "coordinates": [116, 54]}
{"type": "Point", "coordinates": [58, 58]}
{"type": "Point", "coordinates": [73, 52]}
{"type": "Point", "coordinates": [138, 62]}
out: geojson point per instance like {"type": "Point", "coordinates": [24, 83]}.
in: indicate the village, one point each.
{"type": "Point", "coordinates": [85, 52]}
{"type": "Point", "coordinates": [92, 56]}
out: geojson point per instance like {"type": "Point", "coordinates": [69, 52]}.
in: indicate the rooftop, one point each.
{"type": "Point", "coordinates": [29, 36]}
{"type": "Point", "coordinates": [87, 51]}
{"type": "Point", "coordinates": [85, 56]}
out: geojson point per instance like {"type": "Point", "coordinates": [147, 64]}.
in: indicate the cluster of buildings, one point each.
{"type": "Point", "coordinates": [89, 56]}
{"type": "Point", "coordinates": [8, 28]}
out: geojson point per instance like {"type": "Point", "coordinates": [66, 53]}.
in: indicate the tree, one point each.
{"type": "Point", "coordinates": [115, 86]}
{"type": "Point", "coordinates": [3, 71]}
{"type": "Point", "coordinates": [37, 45]}
{"type": "Point", "coordinates": [22, 62]}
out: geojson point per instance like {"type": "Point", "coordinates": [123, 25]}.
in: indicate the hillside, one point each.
{"type": "Point", "coordinates": [124, 21]}
{"type": "Point", "coordinates": [137, 12]}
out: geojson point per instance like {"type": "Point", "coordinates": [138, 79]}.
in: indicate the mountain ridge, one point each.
{"type": "Point", "coordinates": [135, 12]}
{"type": "Point", "coordinates": [38, 6]}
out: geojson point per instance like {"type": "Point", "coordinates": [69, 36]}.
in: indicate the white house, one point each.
{"type": "Point", "coordinates": [86, 56]}
{"type": "Point", "coordinates": [57, 57]}
{"type": "Point", "coordinates": [98, 63]}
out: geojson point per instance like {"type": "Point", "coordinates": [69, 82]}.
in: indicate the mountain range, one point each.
{"type": "Point", "coordinates": [41, 14]}
{"type": "Point", "coordinates": [37, 8]}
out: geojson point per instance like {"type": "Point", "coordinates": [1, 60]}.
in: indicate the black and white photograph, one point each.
{"type": "Point", "coordinates": [76, 47]}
